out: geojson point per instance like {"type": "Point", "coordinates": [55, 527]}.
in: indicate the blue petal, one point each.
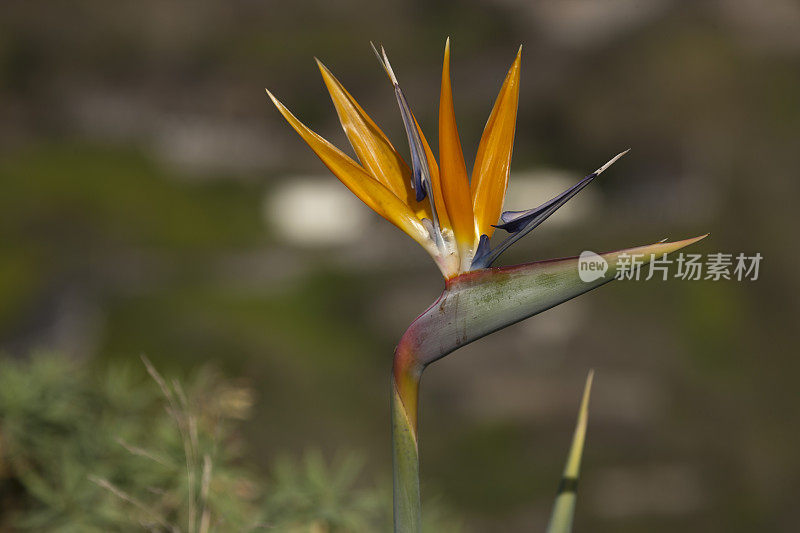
{"type": "Point", "coordinates": [515, 221]}
{"type": "Point", "coordinates": [419, 164]}
{"type": "Point", "coordinates": [481, 252]}
{"type": "Point", "coordinates": [520, 223]}
{"type": "Point", "coordinates": [420, 175]}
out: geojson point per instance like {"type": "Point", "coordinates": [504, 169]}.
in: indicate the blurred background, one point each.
{"type": "Point", "coordinates": [152, 201]}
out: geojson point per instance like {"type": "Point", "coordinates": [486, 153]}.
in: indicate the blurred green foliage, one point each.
{"type": "Point", "coordinates": [85, 449]}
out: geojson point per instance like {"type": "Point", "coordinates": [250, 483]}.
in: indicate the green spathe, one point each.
{"type": "Point", "coordinates": [481, 302]}
{"type": "Point", "coordinates": [472, 306]}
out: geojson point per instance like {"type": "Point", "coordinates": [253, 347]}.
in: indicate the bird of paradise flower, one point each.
{"type": "Point", "coordinates": [453, 217]}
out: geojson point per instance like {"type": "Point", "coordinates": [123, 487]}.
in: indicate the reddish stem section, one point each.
{"type": "Point", "coordinates": [407, 372]}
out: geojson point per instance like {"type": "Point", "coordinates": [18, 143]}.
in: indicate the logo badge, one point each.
{"type": "Point", "coordinates": [591, 266]}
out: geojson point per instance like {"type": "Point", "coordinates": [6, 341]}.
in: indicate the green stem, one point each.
{"type": "Point", "coordinates": [405, 452]}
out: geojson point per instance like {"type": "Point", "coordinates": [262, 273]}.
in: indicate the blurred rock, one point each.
{"type": "Point", "coordinates": [207, 146]}
{"type": "Point", "coordinates": [311, 211]}
{"type": "Point", "coordinates": [198, 145]}
{"type": "Point", "coordinates": [584, 23]}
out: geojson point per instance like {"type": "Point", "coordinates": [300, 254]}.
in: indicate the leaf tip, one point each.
{"type": "Point", "coordinates": [272, 97]}
{"type": "Point", "coordinates": [692, 240]}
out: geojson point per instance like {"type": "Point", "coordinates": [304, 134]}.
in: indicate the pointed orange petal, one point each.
{"type": "Point", "coordinates": [379, 198]}
{"type": "Point", "coordinates": [371, 145]}
{"type": "Point", "coordinates": [490, 173]}
{"type": "Point", "coordinates": [455, 184]}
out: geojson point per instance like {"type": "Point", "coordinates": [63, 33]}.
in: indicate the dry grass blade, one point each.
{"type": "Point", "coordinates": [124, 496]}
{"type": "Point", "coordinates": [186, 423]}
{"type": "Point", "coordinates": [141, 452]}
{"type": "Point", "coordinates": [205, 486]}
